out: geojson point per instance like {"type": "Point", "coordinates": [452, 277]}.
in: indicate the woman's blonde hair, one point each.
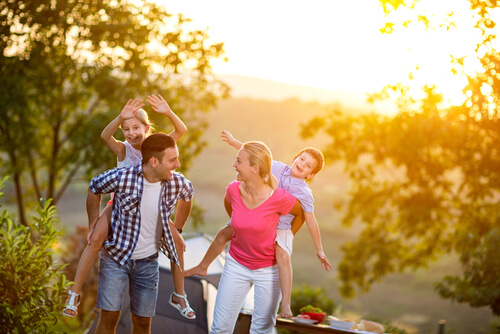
{"type": "Point", "coordinates": [259, 154]}
{"type": "Point", "coordinates": [143, 117]}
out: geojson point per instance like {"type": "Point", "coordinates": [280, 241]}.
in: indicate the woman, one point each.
{"type": "Point", "coordinates": [254, 204]}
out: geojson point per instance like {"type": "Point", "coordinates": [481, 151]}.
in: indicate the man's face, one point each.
{"type": "Point", "coordinates": [168, 164]}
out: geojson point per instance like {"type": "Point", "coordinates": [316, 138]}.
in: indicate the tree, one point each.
{"type": "Point", "coordinates": [67, 69]}
{"type": "Point", "coordinates": [31, 282]}
{"type": "Point", "coordinates": [425, 182]}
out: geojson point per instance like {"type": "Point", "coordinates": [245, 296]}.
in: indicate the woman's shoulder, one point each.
{"type": "Point", "coordinates": [281, 194]}
{"type": "Point", "coordinates": [233, 185]}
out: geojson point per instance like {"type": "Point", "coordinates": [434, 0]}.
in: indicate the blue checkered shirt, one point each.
{"type": "Point", "coordinates": [127, 184]}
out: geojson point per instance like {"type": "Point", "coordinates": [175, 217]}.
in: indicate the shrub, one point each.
{"type": "Point", "coordinates": [31, 283]}
{"type": "Point", "coordinates": [311, 295]}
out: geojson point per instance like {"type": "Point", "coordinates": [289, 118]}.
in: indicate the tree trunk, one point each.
{"type": "Point", "coordinates": [19, 198]}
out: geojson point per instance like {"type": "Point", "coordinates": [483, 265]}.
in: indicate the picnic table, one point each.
{"type": "Point", "coordinates": [244, 318]}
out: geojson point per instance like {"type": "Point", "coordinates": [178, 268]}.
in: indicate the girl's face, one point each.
{"type": "Point", "coordinates": [242, 165]}
{"type": "Point", "coordinates": [135, 132]}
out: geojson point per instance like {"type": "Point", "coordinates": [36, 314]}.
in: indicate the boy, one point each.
{"type": "Point", "coordinates": [305, 165]}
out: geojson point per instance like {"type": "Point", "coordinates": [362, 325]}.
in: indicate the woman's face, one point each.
{"type": "Point", "coordinates": [242, 165]}
{"type": "Point", "coordinates": [135, 132]}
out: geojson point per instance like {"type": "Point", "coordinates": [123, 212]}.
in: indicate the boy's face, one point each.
{"type": "Point", "coordinates": [303, 166]}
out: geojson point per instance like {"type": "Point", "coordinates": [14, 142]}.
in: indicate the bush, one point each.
{"type": "Point", "coordinates": [31, 283]}
{"type": "Point", "coordinates": [311, 295]}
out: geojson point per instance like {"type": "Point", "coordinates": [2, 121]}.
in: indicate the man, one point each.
{"type": "Point", "coordinates": [144, 198]}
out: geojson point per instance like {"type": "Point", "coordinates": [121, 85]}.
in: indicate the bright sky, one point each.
{"type": "Point", "coordinates": [329, 44]}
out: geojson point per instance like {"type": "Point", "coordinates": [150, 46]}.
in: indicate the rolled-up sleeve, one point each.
{"type": "Point", "coordinates": [106, 182]}
{"type": "Point", "coordinates": [187, 191]}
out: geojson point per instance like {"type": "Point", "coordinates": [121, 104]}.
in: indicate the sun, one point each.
{"type": "Point", "coordinates": [336, 44]}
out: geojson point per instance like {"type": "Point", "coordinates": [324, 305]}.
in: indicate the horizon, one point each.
{"type": "Point", "coordinates": [334, 45]}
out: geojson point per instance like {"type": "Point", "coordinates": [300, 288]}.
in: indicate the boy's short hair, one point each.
{"type": "Point", "coordinates": [155, 145]}
{"type": "Point", "coordinates": [317, 155]}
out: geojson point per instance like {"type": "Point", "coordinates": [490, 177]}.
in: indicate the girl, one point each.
{"type": "Point", "coordinates": [135, 125]}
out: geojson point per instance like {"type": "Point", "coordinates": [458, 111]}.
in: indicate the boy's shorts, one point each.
{"type": "Point", "coordinates": [143, 277]}
{"type": "Point", "coordinates": [284, 239]}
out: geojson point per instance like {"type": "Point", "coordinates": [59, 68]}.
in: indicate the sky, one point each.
{"type": "Point", "coordinates": [330, 44]}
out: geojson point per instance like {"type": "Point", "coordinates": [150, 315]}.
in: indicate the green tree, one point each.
{"type": "Point", "coordinates": [31, 282]}
{"type": "Point", "coordinates": [425, 182]}
{"type": "Point", "coordinates": [67, 69]}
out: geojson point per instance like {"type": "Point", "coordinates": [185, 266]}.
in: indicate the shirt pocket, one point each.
{"type": "Point", "coordinates": [128, 202]}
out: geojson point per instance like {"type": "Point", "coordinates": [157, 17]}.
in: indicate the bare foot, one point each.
{"type": "Point", "coordinates": [198, 270]}
{"type": "Point", "coordinates": [286, 311]}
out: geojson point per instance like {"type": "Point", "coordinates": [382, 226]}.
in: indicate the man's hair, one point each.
{"type": "Point", "coordinates": [155, 145]}
{"type": "Point", "coordinates": [316, 155]}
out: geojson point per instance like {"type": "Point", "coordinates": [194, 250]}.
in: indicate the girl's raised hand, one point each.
{"type": "Point", "coordinates": [158, 104]}
{"type": "Point", "coordinates": [131, 108]}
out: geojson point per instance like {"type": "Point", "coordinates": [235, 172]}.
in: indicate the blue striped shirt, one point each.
{"type": "Point", "coordinates": [128, 183]}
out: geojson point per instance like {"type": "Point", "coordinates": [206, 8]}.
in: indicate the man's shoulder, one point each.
{"type": "Point", "coordinates": [179, 181]}
{"type": "Point", "coordinates": [180, 177]}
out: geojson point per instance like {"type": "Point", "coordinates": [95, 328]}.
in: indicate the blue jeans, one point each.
{"type": "Point", "coordinates": [142, 276]}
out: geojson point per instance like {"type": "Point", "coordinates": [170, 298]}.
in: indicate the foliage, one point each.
{"type": "Point", "coordinates": [67, 69]}
{"type": "Point", "coordinates": [393, 329]}
{"type": "Point", "coordinates": [425, 182]}
{"type": "Point", "coordinates": [311, 295]}
{"type": "Point", "coordinates": [71, 250]}
{"type": "Point", "coordinates": [31, 282]}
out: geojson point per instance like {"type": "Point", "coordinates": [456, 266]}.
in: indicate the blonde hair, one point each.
{"type": "Point", "coordinates": [143, 117]}
{"type": "Point", "coordinates": [259, 154]}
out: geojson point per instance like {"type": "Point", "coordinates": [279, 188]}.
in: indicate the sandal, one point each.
{"type": "Point", "coordinates": [183, 311]}
{"type": "Point", "coordinates": [71, 304]}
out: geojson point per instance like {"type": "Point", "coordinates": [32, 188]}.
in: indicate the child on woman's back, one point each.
{"type": "Point", "coordinates": [306, 164]}
{"type": "Point", "coordinates": [135, 124]}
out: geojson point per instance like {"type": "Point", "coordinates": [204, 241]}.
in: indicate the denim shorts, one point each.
{"type": "Point", "coordinates": [142, 276]}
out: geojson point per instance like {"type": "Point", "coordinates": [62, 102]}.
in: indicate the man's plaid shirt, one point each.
{"type": "Point", "coordinates": [127, 184]}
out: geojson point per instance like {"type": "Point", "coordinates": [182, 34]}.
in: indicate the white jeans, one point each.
{"type": "Point", "coordinates": [234, 285]}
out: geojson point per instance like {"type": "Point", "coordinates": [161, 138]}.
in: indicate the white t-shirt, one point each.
{"type": "Point", "coordinates": [151, 227]}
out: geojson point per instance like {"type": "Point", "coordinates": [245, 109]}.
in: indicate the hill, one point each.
{"type": "Point", "coordinates": [262, 89]}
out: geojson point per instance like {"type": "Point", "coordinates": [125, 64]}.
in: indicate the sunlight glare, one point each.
{"type": "Point", "coordinates": [336, 44]}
